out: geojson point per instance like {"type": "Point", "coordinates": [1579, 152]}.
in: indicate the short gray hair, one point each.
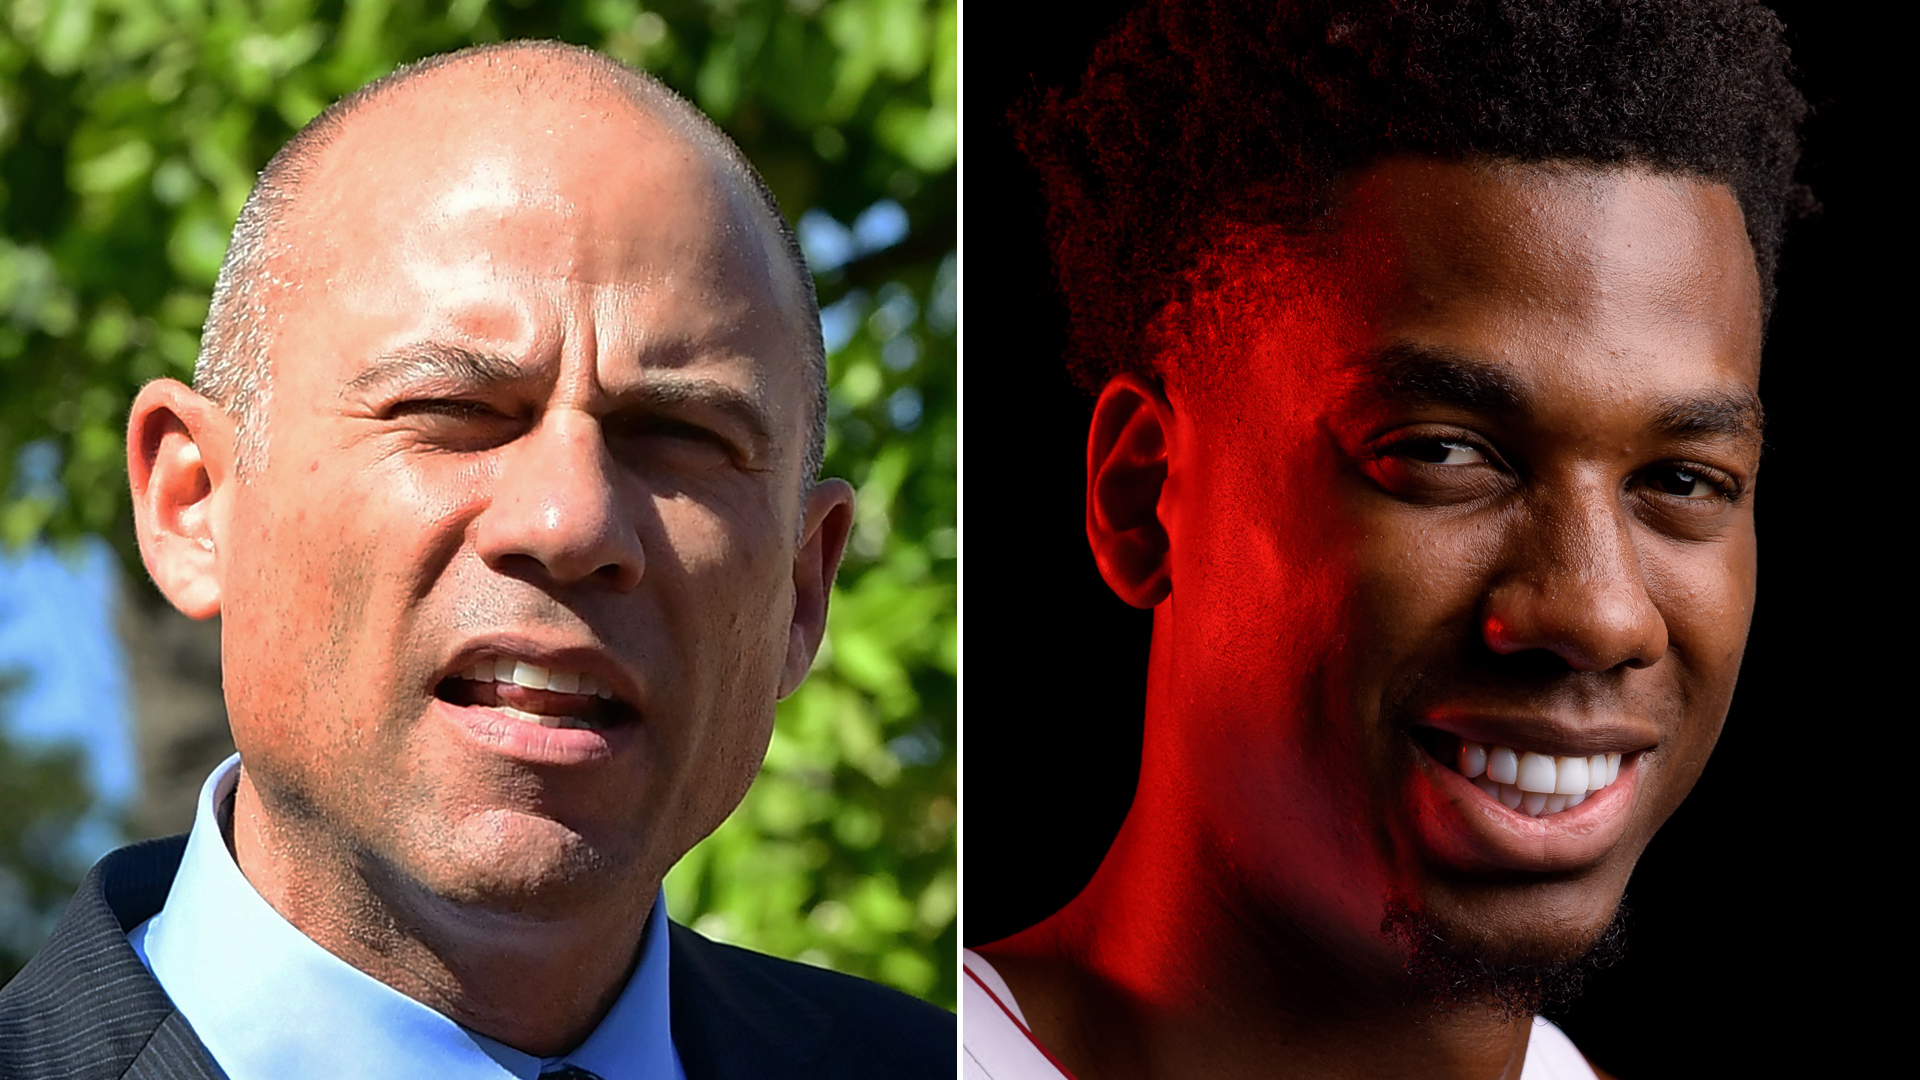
{"type": "Point", "coordinates": [233, 368]}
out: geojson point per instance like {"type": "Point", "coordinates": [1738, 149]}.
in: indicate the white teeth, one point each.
{"type": "Point", "coordinates": [531, 676]}
{"type": "Point", "coordinates": [1534, 783]}
{"type": "Point", "coordinates": [1537, 773]}
{"type": "Point", "coordinates": [1473, 759]}
{"type": "Point", "coordinates": [1573, 776]}
{"type": "Point", "coordinates": [534, 677]}
{"type": "Point", "coordinates": [544, 721]}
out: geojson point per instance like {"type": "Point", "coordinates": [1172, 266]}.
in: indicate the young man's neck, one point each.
{"type": "Point", "coordinates": [1161, 969]}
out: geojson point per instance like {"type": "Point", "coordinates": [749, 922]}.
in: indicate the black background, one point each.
{"type": "Point", "coordinates": [1764, 914]}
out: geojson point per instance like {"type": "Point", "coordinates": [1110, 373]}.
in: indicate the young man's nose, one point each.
{"type": "Point", "coordinates": [1574, 584]}
{"type": "Point", "coordinates": [557, 507]}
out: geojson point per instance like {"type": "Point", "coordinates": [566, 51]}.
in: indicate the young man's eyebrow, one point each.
{"type": "Point", "coordinates": [435, 361]}
{"type": "Point", "coordinates": [1433, 375]}
{"type": "Point", "coordinates": [1717, 414]}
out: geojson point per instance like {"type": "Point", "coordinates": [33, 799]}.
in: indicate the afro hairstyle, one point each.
{"type": "Point", "coordinates": [1195, 117]}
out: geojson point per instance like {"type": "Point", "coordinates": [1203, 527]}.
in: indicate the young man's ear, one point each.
{"type": "Point", "coordinates": [827, 522]}
{"type": "Point", "coordinates": [1126, 472]}
{"type": "Point", "coordinates": [179, 458]}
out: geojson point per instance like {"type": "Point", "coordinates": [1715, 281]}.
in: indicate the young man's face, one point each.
{"type": "Point", "coordinates": [1490, 482]}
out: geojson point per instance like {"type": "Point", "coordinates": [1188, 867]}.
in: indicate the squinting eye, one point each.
{"type": "Point", "coordinates": [1681, 481]}
{"type": "Point", "coordinates": [454, 408]}
{"type": "Point", "coordinates": [1440, 451]}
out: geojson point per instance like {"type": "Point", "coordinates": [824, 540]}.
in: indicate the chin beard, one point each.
{"type": "Point", "coordinates": [1452, 972]}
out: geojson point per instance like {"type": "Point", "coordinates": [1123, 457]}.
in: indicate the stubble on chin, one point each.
{"type": "Point", "coordinates": [1450, 971]}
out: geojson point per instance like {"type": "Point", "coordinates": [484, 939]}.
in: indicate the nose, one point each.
{"type": "Point", "coordinates": [556, 512]}
{"type": "Point", "coordinates": [1575, 586]}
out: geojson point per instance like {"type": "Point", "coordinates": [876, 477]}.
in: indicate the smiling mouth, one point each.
{"type": "Point", "coordinates": [1524, 781]}
{"type": "Point", "coordinates": [536, 695]}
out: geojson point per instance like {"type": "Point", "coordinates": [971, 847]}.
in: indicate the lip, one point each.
{"type": "Point", "coordinates": [534, 744]}
{"type": "Point", "coordinates": [1464, 827]}
{"type": "Point", "coordinates": [1544, 734]}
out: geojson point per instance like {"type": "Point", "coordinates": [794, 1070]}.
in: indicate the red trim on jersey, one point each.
{"type": "Point", "coordinates": [1054, 1061]}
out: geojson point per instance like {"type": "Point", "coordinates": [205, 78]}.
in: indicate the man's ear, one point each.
{"type": "Point", "coordinates": [179, 457]}
{"type": "Point", "coordinates": [827, 521]}
{"type": "Point", "coordinates": [1126, 471]}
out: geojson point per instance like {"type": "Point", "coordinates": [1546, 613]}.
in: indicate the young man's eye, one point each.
{"type": "Point", "coordinates": [1684, 481]}
{"type": "Point", "coordinates": [1440, 451]}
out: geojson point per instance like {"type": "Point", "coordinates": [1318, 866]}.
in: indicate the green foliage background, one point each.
{"type": "Point", "coordinates": [130, 134]}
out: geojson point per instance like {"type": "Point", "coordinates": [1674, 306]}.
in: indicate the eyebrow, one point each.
{"type": "Point", "coordinates": [663, 391]}
{"type": "Point", "coordinates": [435, 361]}
{"type": "Point", "coordinates": [1435, 375]}
{"type": "Point", "coordinates": [1419, 374]}
{"type": "Point", "coordinates": [1722, 414]}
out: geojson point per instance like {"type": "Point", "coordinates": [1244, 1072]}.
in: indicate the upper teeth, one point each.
{"type": "Point", "coordinates": [1536, 783]}
{"type": "Point", "coordinates": [535, 677]}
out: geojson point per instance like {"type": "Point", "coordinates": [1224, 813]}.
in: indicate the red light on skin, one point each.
{"type": "Point", "coordinates": [1425, 464]}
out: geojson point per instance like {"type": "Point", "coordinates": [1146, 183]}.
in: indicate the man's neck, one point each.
{"type": "Point", "coordinates": [539, 985]}
{"type": "Point", "coordinates": [1156, 971]}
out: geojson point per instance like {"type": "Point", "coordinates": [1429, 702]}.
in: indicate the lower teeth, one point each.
{"type": "Point", "coordinates": [1532, 803]}
{"type": "Point", "coordinates": [544, 721]}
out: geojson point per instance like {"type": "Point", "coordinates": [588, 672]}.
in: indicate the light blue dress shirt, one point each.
{"type": "Point", "coordinates": [270, 1004]}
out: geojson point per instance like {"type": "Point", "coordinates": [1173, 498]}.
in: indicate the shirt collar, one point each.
{"type": "Point", "coordinates": [268, 1002]}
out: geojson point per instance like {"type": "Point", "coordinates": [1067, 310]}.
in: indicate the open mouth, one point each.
{"type": "Point", "coordinates": [537, 695]}
{"type": "Point", "coordinates": [1526, 781]}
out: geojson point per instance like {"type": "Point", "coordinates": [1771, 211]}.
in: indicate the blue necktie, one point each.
{"type": "Point", "coordinates": [569, 1072]}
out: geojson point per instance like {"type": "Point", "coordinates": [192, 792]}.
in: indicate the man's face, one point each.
{"type": "Point", "coordinates": [508, 604]}
{"type": "Point", "coordinates": [1488, 480]}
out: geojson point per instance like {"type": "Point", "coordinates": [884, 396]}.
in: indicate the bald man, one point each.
{"type": "Point", "coordinates": [499, 468]}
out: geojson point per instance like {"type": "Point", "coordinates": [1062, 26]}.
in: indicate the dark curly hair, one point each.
{"type": "Point", "coordinates": [1198, 117]}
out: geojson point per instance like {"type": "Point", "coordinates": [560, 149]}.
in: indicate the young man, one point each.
{"type": "Point", "coordinates": [1426, 345]}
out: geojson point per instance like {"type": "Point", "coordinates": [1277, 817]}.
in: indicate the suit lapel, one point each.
{"type": "Point", "coordinates": [174, 1053]}
{"type": "Point", "coordinates": [86, 1003]}
{"type": "Point", "coordinates": [731, 1021]}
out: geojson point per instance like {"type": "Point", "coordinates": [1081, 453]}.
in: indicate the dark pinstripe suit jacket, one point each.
{"type": "Point", "coordinates": [86, 1008]}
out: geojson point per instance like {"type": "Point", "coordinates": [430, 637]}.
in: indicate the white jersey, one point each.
{"type": "Point", "coordinates": [997, 1045]}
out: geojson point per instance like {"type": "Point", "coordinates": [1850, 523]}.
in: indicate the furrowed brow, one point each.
{"type": "Point", "coordinates": [435, 362]}
{"type": "Point", "coordinates": [1721, 414]}
{"type": "Point", "coordinates": [1428, 375]}
{"type": "Point", "coordinates": [666, 394]}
